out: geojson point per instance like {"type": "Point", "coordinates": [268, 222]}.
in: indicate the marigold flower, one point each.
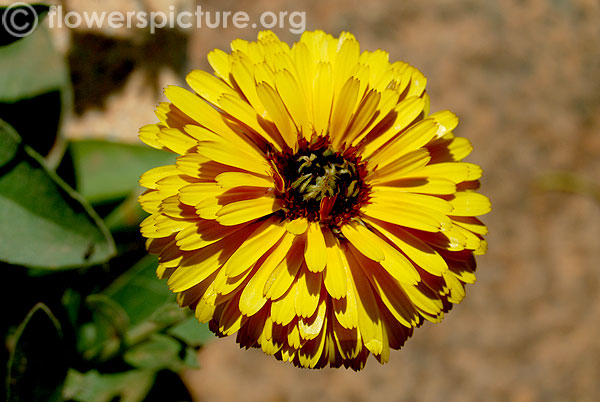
{"type": "Point", "coordinates": [316, 209]}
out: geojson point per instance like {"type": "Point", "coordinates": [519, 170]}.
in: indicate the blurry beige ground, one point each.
{"type": "Point", "coordinates": [524, 76]}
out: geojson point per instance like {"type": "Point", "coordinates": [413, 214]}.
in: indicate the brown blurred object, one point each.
{"type": "Point", "coordinates": [524, 78]}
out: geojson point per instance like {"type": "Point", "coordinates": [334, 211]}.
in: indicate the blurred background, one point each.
{"type": "Point", "coordinates": [524, 78]}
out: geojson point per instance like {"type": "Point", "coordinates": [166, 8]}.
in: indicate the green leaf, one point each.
{"type": "Point", "coordinates": [71, 301]}
{"type": "Point", "coordinates": [31, 66]}
{"type": "Point", "coordinates": [37, 365]}
{"type": "Point", "coordinates": [190, 359]}
{"type": "Point", "coordinates": [139, 291]}
{"type": "Point", "coordinates": [45, 224]}
{"type": "Point", "coordinates": [130, 386]}
{"type": "Point", "coordinates": [26, 19]}
{"type": "Point", "coordinates": [102, 338]}
{"type": "Point", "coordinates": [106, 171]}
{"type": "Point", "coordinates": [9, 143]}
{"type": "Point", "coordinates": [191, 332]}
{"type": "Point", "coordinates": [34, 79]}
{"type": "Point", "coordinates": [158, 352]}
{"type": "Point", "coordinates": [127, 215]}
{"type": "Point", "coordinates": [109, 310]}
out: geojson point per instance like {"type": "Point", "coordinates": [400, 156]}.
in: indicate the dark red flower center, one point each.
{"type": "Point", "coordinates": [319, 183]}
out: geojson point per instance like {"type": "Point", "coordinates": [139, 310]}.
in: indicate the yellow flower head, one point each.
{"type": "Point", "coordinates": [316, 209]}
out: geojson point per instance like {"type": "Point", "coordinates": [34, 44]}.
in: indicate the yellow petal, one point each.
{"type": "Point", "coordinates": [315, 253]}
{"type": "Point", "coordinates": [208, 86]}
{"type": "Point", "coordinates": [361, 73]}
{"type": "Point", "coordinates": [226, 286]}
{"type": "Point", "coordinates": [242, 179]}
{"type": "Point", "coordinates": [348, 341]}
{"type": "Point", "coordinates": [449, 150]}
{"type": "Point", "coordinates": [396, 301]}
{"type": "Point", "coordinates": [402, 73]}
{"type": "Point", "coordinates": [470, 204]}
{"type": "Point", "coordinates": [455, 172]}
{"type": "Point", "coordinates": [482, 249]}
{"type": "Point", "coordinates": [245, 113]}
{"type": "Point", "coordinates": [388, 195]}
{"type": "Point", "coordinates": [219, 152]}
{"type": "Point", "coordinates": [364, 240]}
{"type": "Point", "coordinates": [428, 185]}
{"type": "Point", "coordinates": [283, 310]}
{"type": "Point", "coordinates": [231, 318]}
{"type": "Point", "coordinates": [171, 185]}
{"type": "Point", "coordinates": [348, 51]}
{"type": "Point", "coordinates": [150, 201]}
{"type": "Point", "coordinates": [235, 213]}
{"type": "Point", "coordinates": [397, 265]}
{"type": "Point", "coordinates": [297, 226]}
{"type": "Point", "coordinates": [277, 113]}
{"type": "Point", "coordinates": [294, 100]}
{"type": "Point", "coordinates": [408, 216]}
{"type": "Point", "coordinates": [364, 115]}
{"type": "Point", "coordinates": [369, 323]}
{"type": "Point", "coordinates": [257, 244]}
{"type": "Point", "coordinates": [192, 163]}
{"type": "Point", "coordinates": [150, 178]}
{"type": "Point", "coordinates": [241, 73]}
{"type": "Point", "coordinates": [293, 337]}
{"type": "Point", "coordinates": [308, 291]}
{"type": "Point", "coordinates": [204, 311]}
{"type": "Point", "coordinates": [405, 113]}
{"type": "Point", "coordinates": [389, 289]}
{"type": "Point", "coordinates": [202, 264]}
{"type": "Point", "coordinates": [170, 256]}
{"type": "Point", "coordinates": [175, 140]}
{"type": "Point", "coordinates": [171, 206]}
{"type": "Point", "coordinates": [345, 309]}
{"type": "Point", "coordinates": [252, 298]}
{"type": "Point", "coordinates": [446, 120]}
{"type": "Point", "coordinates": [311, 327]}
{"type": "Point", "coordinates": [335, 273]}
{"type": "Point", "coordinates": [171, 116]}
{"type": "Point", "coordinates": [457, 290]}
{"type": "Point", "coordinates": [264, 73]}
{"type": "Point", "coordinates": [202, 234]}
{"type": "Point", "coordinates": [149, 135]}
{"type": "Point", "coordinates": [402, 167]}
{"type": "Point", "coordinates": [161, 226]}
{"type": "Point", "coordinates": [471, 223]}
{"type": "Point", "coordinates": [417, 84]}
{"type": "Point", "coordinates": [310, 353]}
{"type": "Point", "coordinates": [389, 100]}
{"type": "Point", "coordinates": [192, 194]}
{"type": "Point", "coordinates": [342, 111]}
{"type": "Point", "coordinates": [472, 241]}
{"type": "Point", "coordinates": [196, 108]}
{"type": "Point", "coordinates": [268, 344]}
{"type": "Point", "coordinates": [426, 301]}
{"type": "Point", "coordinates": [417, 250]}
{"type": "Point", "coordinates": [322, 98]}
{"type": "Point", "coordinates": [305, 68]}
{"type": "Point", "coordinates": [379, 61]}
{"type": "Point", "coordinates": [284, 274]}
{"type": "Point", "coordinates": [219, 61]}
{"type": "Point", "coordinates": [415, 137]}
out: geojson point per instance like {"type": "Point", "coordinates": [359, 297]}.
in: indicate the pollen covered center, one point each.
{"type": "Point", "coordinates": [322, 173]}
{"type": "Point", "coordinates": [321, 184]}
